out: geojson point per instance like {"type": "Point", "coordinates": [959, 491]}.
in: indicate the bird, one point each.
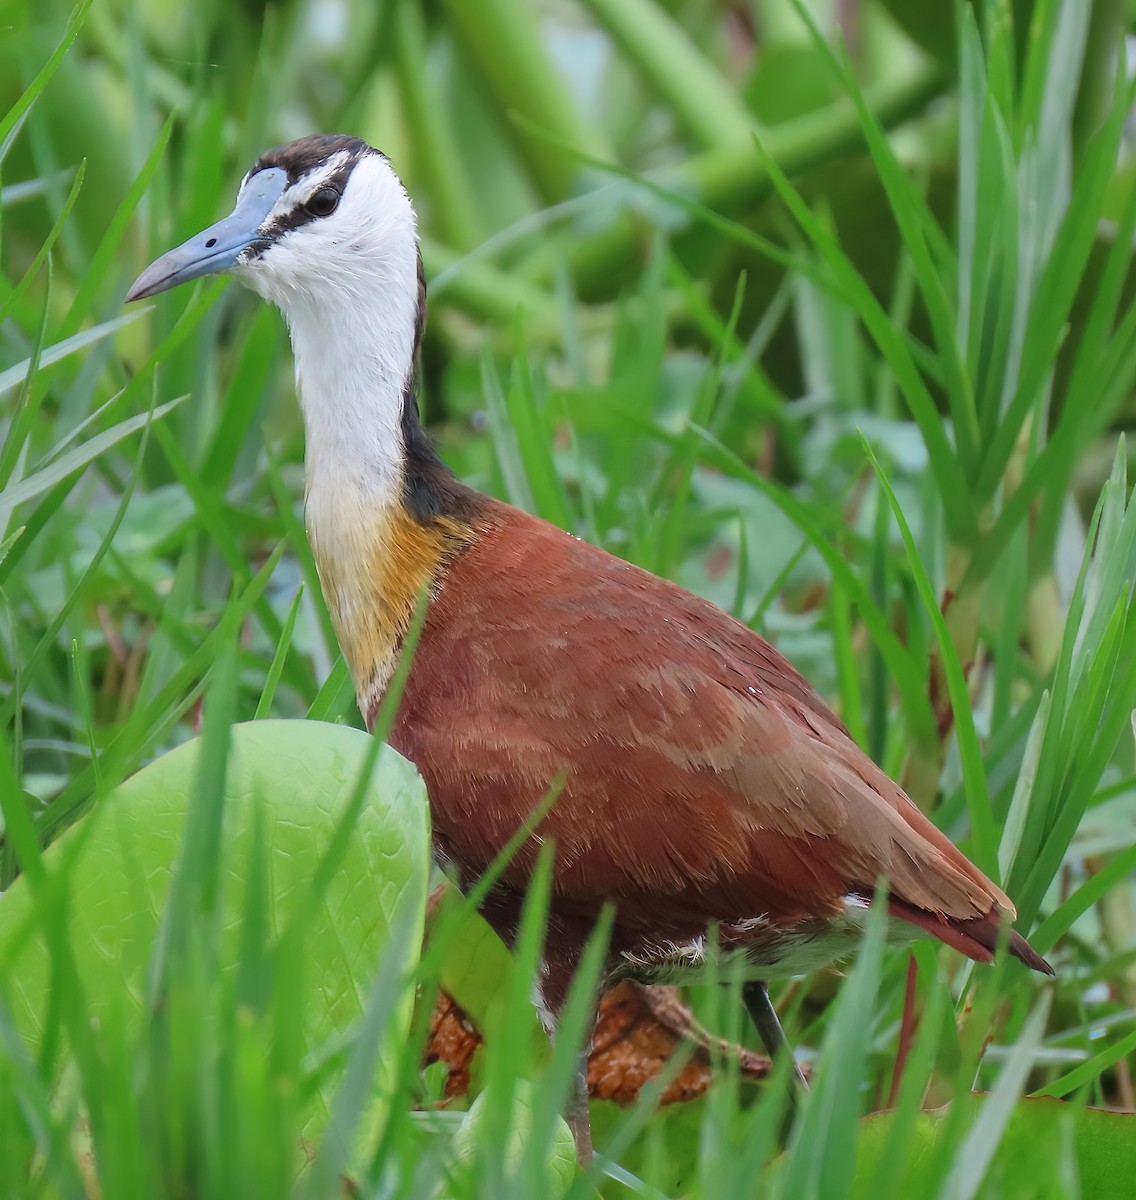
{"type": "Point", "coordinates": [709, 798]}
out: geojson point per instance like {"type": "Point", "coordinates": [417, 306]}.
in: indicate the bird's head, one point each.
{"type": "Point", "coordinates": [320, 219]}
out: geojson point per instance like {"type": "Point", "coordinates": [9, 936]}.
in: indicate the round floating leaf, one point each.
{"type": "Point", "coordinates": [1044, 1142]}
{"type": "Point", "coordinates": [1044, 1146]}
{"type": "Point", "coordinates": [560, 1162]}
{"type": "Point", "coordinates": [287, 785]}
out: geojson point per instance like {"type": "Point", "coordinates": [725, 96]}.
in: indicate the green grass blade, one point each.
{"type": "Point", "coordinates": [15, 114]}
{"type": "Point", "coordinates": [977, 795]}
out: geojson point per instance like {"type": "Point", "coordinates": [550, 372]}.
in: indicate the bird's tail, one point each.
{"type": "Point", "coordinates": [976, 937]}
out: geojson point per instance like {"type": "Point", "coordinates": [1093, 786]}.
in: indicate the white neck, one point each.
{"type": "Point", "coordinates": [348, 286]}
{"type": "Point", "coordinates": [353, 365]}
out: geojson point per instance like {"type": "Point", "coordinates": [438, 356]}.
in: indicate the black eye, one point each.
{"type": "Point", "coordinates": [324, 202]}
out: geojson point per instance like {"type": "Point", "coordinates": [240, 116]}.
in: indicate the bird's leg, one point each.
{"type": "Point", "coordinates": [755, 996]}
{"type": "Point", "coordinates": [564, 944]}
{"type": "Point", "coordinates": [577, 1114]}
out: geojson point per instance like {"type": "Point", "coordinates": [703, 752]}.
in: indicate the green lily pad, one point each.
{"type": "Point", "coordinates": [1044, 1141]}
{"type": "Point", "coordinates": [287, 783]}
{"type": "Point", "coordinates": [560, 1163]}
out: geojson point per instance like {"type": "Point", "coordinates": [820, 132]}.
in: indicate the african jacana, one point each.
{"type": "Point", "coordinates": [706, 782]}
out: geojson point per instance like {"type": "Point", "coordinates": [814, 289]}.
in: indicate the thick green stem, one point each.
{"type": "Point", "coordinates": [734, 177]}
{"type": "Point", "coordinates": [1045, 622]}
{"type": "Point", "coordinates": [702, 101]}
{"type": "Point", "coordinates": [482, 291]}
{"type": "Point", "coordinates": [492, 297]}
{"type": "Point", "coordinates": [1104, 56]}
{"type": "Point", "coordinates": [1118, 925]}
{"type": "Point", "coordinates": [503, 39]}
{"type": "Point", "coordinates": [436, 158]}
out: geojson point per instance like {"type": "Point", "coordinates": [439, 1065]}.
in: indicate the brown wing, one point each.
{"type": "Point", "coordinates": [706, 780]}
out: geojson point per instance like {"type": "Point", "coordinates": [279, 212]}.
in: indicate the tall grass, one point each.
{"type": "Point", "coordinates": [844, 343]}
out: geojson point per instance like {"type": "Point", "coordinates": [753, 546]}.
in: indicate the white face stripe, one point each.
{"type": "Point", "coordinates": [300, 192]}
{"type": "Point", "coordinates": [307, 185]}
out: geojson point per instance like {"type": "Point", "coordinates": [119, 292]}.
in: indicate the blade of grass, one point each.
{"type": "Point", "coordinates": [75, 460]}
{"type": "Point", "coordinates": [917, 227]}
{"type": "Point", "coordinates": [974, 1156]}
{"type": "Point", "coordinates": [149, 721]}
{"type": "Point", "coordinates": [276, 667]}
{"type": "Point", "coordinates": [970, 751]}
{"type": "Point", "coordinates": [27, 402]}
{"type": "Point", "coordinates": [108, 247]}
{"type": "Point", "coordinates": [910, 681]}
{"type": "Point", "coordinates": [41, 255]}
{"type": "Point", "coordinates": [16, 375]}
{"type": "Point", "coordinates": [16, 112]}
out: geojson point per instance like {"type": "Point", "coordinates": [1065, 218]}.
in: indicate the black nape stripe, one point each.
{"type": "Point", "coordinates": [430, 489]}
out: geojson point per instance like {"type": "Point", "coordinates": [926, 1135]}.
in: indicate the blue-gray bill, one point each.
{"type": "Point", "coordinates": [219, 247]}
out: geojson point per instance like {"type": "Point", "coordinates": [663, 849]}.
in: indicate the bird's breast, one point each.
{"type": "Point", "coordinates": [374, 560]}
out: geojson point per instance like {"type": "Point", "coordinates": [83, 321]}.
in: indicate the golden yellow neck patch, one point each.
{"type": "Point", "coordinates": [372, 576]}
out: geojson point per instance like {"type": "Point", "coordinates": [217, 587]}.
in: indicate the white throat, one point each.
{"type": "Point", "coordinates": [348, 287]}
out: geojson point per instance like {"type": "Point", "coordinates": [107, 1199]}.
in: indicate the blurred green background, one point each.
{"type": "Point", "coordinates": [822, 309]}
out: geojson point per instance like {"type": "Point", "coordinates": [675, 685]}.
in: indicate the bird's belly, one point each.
{"type": "Point", "coordinates": [757, 949]}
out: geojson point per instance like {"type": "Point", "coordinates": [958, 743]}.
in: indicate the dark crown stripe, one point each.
{"type": "Point", "coordinates": [300, 158]}
{"type": "Point", "coordinates": [303, 155]}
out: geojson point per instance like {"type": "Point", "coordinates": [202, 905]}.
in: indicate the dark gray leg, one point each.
{"type": "Point", "coordinates": [755, 996]}
{"type": "Point", "coordinates": [577, 1114]}
{"type": "Point", "coordinates": [563, 948]}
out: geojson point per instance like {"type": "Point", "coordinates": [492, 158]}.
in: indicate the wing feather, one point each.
{"type": "Point", "coordinates": [706, 779]}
